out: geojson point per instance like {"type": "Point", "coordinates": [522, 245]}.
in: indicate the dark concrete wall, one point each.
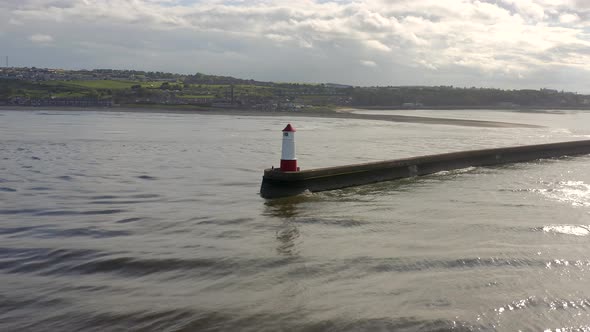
{"type": "Point", "coordinates": [281, 184]}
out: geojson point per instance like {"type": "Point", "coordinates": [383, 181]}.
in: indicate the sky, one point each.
{"type": "Point", "coordinates": [483, 43]}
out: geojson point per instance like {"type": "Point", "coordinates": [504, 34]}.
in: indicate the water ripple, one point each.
{"type": "Point", "coordinates": [47, 261]}
{"type": "Point", "coordinates": [186, 320]}
{"type": "Point", "coordinates": [73, 213]}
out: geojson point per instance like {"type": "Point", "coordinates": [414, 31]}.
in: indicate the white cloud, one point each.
{"type": "Point", "coordinates": [569, 18]}
{"type": "Point", "coordinates": [41, 38]}
{"type": "Point", "coordinates": [377, 45]}
{"type": "Point", "coordinates": [368, 63]}
{"type": "Point", "coordinates": [527, 8]}
{"type": "Point", "coordinates": [278, 37]}
{"type": "Point", "coordinates": [14, 22]}
{"type": "Point", "coordinates": [305, 44]}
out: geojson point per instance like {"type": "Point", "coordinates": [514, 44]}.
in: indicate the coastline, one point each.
{"type": "Point", "coordinates": [334, 114]}
{"type": "Point", "coordinates": [458, 108]}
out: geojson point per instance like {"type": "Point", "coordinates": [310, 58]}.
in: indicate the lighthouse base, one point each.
{"type": "Point", "coordinates": [288, 165]}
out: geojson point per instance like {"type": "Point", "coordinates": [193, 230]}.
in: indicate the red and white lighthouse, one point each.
{"type": "Point", "coordinates": [288, 159]}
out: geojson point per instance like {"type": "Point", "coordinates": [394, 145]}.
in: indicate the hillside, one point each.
{"type": "Point", "coordinates": [106, 87]}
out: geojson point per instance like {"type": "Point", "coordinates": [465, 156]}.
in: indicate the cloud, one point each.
{"type": "Point", "coordinates": [14, 22]}
{"type": "Point", "coordinates": [568, 18]}
{"type": "Point", "coordinates": [368, 63]}
{"type": "Point", "coordinates": [377, 45]}
{"type": "Point", "coordinates": [527, 8]}
{"type": "Point", "coordinates": [41, 38]}
{"type": "Point", "coordinates": [455, 42]}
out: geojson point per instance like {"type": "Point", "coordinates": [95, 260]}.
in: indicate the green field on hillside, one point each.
{"type": "Point", "coordinates": [98, 84]}
{"type": "Point", "coordinates": [105, 84]}
{"type": "Point", "coordinates": [197, 96]}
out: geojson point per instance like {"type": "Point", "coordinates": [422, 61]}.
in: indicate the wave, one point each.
{"type": "Point", "coordinates": [456, 171]}
{"type": "Point", "coordinates": [48, 261]}
{"type": "Point", "coordinates": [577, 230]}
{"type": "Point", "coordinates": [185, 320]}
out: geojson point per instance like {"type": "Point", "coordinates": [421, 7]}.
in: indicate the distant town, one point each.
{"type": "Point", "coordinates": [43, 87]}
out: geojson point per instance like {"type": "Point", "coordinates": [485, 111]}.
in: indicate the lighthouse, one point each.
{"type": "Point", "coordinates": [288, 160]}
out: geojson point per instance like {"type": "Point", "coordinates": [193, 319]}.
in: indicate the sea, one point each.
{"type": "Point", "coordinates": [114, 221]}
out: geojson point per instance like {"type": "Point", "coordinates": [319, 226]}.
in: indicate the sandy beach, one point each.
{"type": "Point", "coordinates": [337, 114]}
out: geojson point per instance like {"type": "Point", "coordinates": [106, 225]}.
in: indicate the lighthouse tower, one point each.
{"type": "Point", "coordinates": [288, 160]}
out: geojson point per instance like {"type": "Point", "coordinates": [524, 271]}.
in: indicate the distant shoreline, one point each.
{"type": "Point", "coordinates": [460, 108]}
{"type": "Point", "coordinates": [331, 114]}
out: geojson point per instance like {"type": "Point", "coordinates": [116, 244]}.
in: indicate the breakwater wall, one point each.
{"type": "Point", "coordinates": [276, 183]}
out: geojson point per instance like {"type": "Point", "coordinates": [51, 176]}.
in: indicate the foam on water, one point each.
{"type": "Point", "coordinates": [456, 171]}
{"type": "Point", "coordinates": [577, 230]}
{"type": "Point", "coordinates": [576, 193]}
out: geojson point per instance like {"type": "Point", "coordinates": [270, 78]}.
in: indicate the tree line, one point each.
{"type": "Point", "coordinates": [451, 96]}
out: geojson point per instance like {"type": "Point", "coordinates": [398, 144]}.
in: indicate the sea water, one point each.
{"type": "Point", "coordinates": [152, 222]}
